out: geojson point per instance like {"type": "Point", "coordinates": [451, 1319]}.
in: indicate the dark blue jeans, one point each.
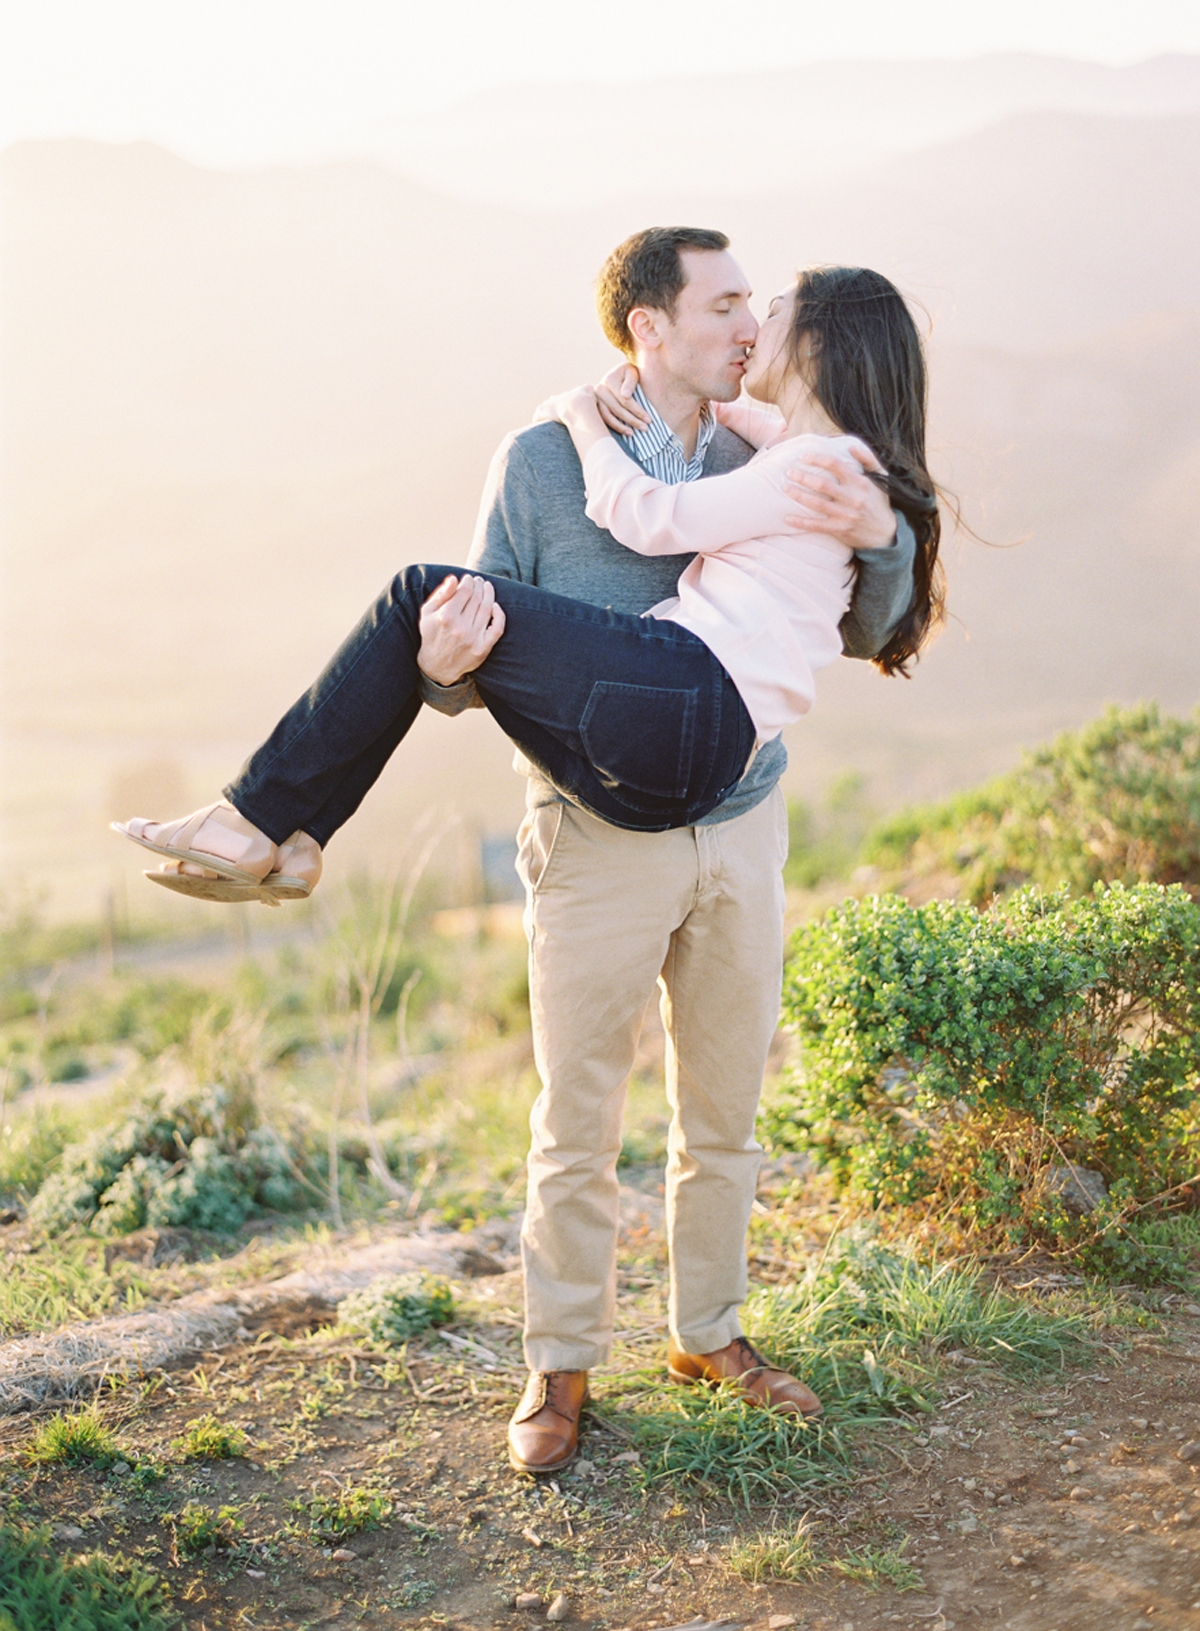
{"type": "Point", "coordinates": [631, 717]}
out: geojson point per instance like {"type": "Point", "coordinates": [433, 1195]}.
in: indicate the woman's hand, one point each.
{"type": "Point", "coordinates": [576, 410]}
{"type": "Point", "coordinates": [614, 400]}
{"type": "Point", "coordinates": [568, 406]}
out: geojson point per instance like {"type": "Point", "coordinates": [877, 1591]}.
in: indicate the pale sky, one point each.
{"type": "Point", "coordinates": [255, 81]}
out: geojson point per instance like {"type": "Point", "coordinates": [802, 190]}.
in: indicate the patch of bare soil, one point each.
{"type": "Point", "coordinates": [1070, 1504]}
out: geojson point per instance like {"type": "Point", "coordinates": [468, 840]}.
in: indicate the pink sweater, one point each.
{"type": "Point", "coordinates": [765, 599]}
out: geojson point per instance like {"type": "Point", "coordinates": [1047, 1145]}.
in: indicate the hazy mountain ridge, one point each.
{"type": "Point", "coordinates": [541, 146]}
{"type": "Point", "coordinates": [236, 401]}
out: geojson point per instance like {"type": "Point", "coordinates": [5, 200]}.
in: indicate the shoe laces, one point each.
{"type": "Point", "coordinates": [750, 1353]}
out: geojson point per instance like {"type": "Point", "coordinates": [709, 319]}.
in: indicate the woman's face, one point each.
{"type": "Point", "coordinates": [768, 365]}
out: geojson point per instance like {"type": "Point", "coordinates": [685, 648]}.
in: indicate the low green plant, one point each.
{"type": "Point", "coordinates": [864, 1329]}
{"type": "Point", "coordinates": [878, 1566]}
{"type": "Point", "coordinates": [824, 840]}
{"type": "Point", "coordinates": [197, 1529]}
{"type": "Point", "coordinates": [794, 1556]}
{"type": "Point", "coordinates": [188, 1156]}
{"type": "Point", "coordinates": [30, 1150]}
{"type": "Point", "coordinates": [207, 1439]}
{"type": "Point", "coordinates": [718, 1441]}
{"type": "Point", "coordinates": [866, 1324]}
{"type": "Point", "coordinates": [41, 1590]}
{"type": "Point", "coordinates": [395, 1307]}
{"type": "Point", "coordinates": [799, 1556]}
{"type": "Point", "coordinates": [964, 1062]}
{"type": "Point", "coordinates": [79, 1439]}
{"type": "Point", "coordinates": [1115, 802]}
{"type": "Point", "coordinates": [39, 1290]}
{"type": "Point", "coordinates": [333, 1517]}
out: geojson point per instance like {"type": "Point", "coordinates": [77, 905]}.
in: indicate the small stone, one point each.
{"type": "Point", "coordinates": [1138, 1423]}
{"type": "Point", "coordinates": [345, 1555]}
{"type": "Point", "coordinates": [559, 1608]}
{"type": "Point", "coordinates": [970, 1483]}
{"type": "Point", "coordinates": [1190, 1452]}
{"type": "Point", "coordinates": [1080, 1494]}
{"type": "Point", "coordinates": [67, 1531]}
{"type": "Point", "coordinates": [532, 1536]}
{"type": "Point", "coordinates": [1004, 1500]}
{"type": "Point", "coordinates": [1016, 1561]}
{"type": "Point", "coordinates": [120, 1469]}
{"type": "Point", "coordinates": [780, 1622]}
{"type": "Point", "coordinates": [1079, 1188]}
{"type": "Point", "coordinates": [1072, 1467]}
{"type": "Point", "coordinates": [527, 1599]}
{"type": "Point", "coordinates": [584, 1469]}
{"type": "Point", "coordinates": [968, 1525]}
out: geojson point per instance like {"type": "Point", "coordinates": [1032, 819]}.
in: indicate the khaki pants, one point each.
{"type": "Point", "coordinates": [609, 912]}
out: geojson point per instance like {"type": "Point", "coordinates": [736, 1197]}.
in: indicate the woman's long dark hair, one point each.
{"type": "Point", "coordinates": [865, 366]}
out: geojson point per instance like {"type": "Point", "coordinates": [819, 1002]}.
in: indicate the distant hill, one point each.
{"type": "Point", "coordinates": [559, 147]}
{"type": "Point", "coordinates": [236, 401]}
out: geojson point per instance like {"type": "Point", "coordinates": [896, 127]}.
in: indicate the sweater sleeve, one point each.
{"type": "Point", "coordinates": [883, 593]}
{"type": "Point", "coordinates": [493, 550]}
{"type": "Point", "coordinates": [661, 518]}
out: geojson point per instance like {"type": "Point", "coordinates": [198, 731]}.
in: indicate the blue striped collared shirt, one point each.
{"type": "Point", "coordinates": [660, 452]}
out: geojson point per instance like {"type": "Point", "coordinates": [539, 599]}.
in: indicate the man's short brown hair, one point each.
{"type": "Point", "coordinates": [646, 271]}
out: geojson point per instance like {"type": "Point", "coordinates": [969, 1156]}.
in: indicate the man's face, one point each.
{"type": "Point", "coordinates": [703, 348]}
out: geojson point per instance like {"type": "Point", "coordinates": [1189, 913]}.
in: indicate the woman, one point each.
{"type": "Point", "coordinates": [646, 721]}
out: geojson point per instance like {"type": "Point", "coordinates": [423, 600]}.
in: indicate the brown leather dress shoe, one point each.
{"type": "Point", "coordinates": [741, 1364]}
{"type": "Point", "coordinates": [544, 1432]}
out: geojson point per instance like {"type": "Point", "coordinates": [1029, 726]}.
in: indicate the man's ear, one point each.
{"type": "Point", "coordinates": [645, 324]}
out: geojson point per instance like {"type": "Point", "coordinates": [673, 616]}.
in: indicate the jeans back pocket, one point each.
{"type": "Point", "coordinates": [642, 737]}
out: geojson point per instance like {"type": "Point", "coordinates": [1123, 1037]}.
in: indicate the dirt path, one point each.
{"type": "Point", "coordinates": [1071, 1505]}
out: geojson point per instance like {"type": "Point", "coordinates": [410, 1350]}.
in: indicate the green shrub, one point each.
{"type": "Point", "coordinates": [955, 1059]}
{"type": "Point", "coordinates": [188, 1157]}
{"type": "Point", "coordinates": [1116, 802]}
{"type": "Point", "coordinates": [395, 1307]}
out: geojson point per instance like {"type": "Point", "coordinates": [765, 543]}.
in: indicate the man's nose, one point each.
{"type": "Point", "coordinates": [749, 331]}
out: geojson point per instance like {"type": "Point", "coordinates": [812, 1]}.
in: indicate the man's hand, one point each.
{"type": "Point", "coordinates": [838, 499]}
{"type": "Point", "coordinates": [460, 623]}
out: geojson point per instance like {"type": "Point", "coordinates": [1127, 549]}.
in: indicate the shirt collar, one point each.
{"type": "Point", "coordinates": [658, 435]}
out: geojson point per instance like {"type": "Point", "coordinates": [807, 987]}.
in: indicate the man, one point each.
{"type": "Point", "coordinates": [610, 912]}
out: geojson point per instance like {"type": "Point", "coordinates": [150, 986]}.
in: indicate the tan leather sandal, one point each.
{"type": "Point", "coordinates": [177, 841]}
